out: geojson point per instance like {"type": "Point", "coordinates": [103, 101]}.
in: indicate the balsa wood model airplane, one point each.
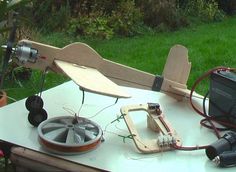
{"type": "Point", "coordinates": [93, 73]}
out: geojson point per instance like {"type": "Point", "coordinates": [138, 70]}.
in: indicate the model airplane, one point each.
{"type": "Point", "coordinates": [94, 74]}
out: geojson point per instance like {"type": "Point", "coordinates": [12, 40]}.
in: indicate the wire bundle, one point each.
{"type": "Point", "coordinates": [212, 121]}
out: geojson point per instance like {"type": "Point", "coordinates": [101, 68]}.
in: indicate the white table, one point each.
{"type": "Point", "coordinates": [114, 154]}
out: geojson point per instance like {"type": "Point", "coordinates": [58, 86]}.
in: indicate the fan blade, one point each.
{"type": "Point", "coordinates": [57, 135]}
{"type": "Point", "coordinates": [51, 127]}
{"type": "Point", "coordinates": [70, 138]}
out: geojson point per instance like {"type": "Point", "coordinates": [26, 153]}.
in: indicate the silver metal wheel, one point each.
{"type": "Point", "coordinates": [69, 135]}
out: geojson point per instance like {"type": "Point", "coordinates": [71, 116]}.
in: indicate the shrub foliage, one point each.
{"type": "Point", "coordinates": [228, 6]}
{"type": "Point", "coordinates": [95, 18]}
{"type": "Point", "coordinates": [104, 19]}
{"type": "Point", "coordinates": [162, 13]}
{"type": "Point", "coordinates": [206, 10]}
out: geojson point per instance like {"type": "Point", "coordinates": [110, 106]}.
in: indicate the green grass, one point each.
{"type": "Point", "coordinates": [17, 89]}
{"type": "Point", "coordinates": [209, 45]}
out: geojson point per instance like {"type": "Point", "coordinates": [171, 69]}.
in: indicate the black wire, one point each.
{"type": "Point", "coordinates": [43, 77]}
{"type": "Point", "coordinates": [216, 118]}
{"type": "Point", "coordinates": [83, 97]}
{"type": "Point", "coordinates": [204, 122]}
{"type": "Point", "coordinates": [38, 98]}
{"type": "Point", "coordinates": [82, 102]}
{"type": "Point", "coordinates": [204, 102]}
{"type": "Point", "coordinates": [104, 108]}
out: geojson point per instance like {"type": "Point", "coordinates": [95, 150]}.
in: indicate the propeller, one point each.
{"type": "Point", "coordinates": [9, 49]}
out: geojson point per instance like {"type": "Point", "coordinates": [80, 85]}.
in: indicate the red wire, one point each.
{"type": "Point", "coordinates": [200, 112]}
{"type": "Point", "coordinates": [207, 118]}
{"type": "Point", "coordinates": [189, 148]}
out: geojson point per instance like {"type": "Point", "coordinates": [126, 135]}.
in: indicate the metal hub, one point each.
{"type": "Point", "coordinates": [69, 135]}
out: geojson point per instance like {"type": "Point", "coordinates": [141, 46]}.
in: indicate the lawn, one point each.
{"type": "Point", "coordinates": [209, 45]}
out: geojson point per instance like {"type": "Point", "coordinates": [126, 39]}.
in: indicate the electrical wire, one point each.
{"type": "Point", "coordinates": [189, 148]}
{"type": "Point", "coordinates": [207, 118]}
{"type": "Point", "coordinates": [43, 76]}
{"type": "Point", "coordinates": [202, 113]}
{"type": "Point", "coordinates": [204, 121]}
{"type": "Point", "coordinates": [98, 112]}
{"type": "Point", "coordinates": [106, 107]}
{"type": "Point", "coordinates": [204, 102]}
{"type": "Point", "coordinates": [82, 102]}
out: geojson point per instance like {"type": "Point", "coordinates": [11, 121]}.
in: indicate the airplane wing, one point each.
{"type": "Point", "coordinates": [102, 71]}
{"type": "Point", "coordinates": [90, 79]}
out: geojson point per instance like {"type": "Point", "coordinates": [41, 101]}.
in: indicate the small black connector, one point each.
{"type": "Point", "coordinates": [226, 159]}
{"type": "Point", "coordinates": [153, 106]}
{"type": "Point", "coordinates": [224, 144]}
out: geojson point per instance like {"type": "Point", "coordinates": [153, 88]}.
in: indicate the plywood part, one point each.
{"type": "Point", "coordinates": [102, 75]}
{"type": "Point", "coordinates": [91, 79]}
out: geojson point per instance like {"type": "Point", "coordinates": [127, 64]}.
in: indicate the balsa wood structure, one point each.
{"type": "Point", "coordinates": [166, 136]}
{"type": "Point", "coordinates": [96, 74]}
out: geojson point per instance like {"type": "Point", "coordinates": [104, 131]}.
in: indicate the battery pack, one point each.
{"type": "Point", "coordinates": [222, 96]}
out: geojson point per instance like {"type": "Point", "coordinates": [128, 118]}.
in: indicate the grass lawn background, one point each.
{"type": "Point", "coordinates": [209, 45]}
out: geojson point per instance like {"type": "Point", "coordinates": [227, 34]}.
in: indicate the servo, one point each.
{"type": "Point", "coordinates": [222, 96]}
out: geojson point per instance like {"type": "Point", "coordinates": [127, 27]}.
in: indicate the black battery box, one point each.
{"type": "Point", "coordinates": [222, 96]}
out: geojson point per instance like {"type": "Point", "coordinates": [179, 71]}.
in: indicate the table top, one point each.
{"type": "Point", "coordinates": [115, 154]}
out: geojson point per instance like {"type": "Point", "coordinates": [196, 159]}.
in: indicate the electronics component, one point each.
{"type": "Point", "coordinates": [165, 140]}
{"type": "Point", "coordinates": [225, 143]}
{"type": "Point", "coordinates": [226, 159]}
{"type": "Point", "coordinates": [69, 135]}
{"type": "Point", "coordinates": [25, 53]}
{"type": "Point", "coordinates": [222, 96]}
{"type": "Point", "coordinates": [166, 136]}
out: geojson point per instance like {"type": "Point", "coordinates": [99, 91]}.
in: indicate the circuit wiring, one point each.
{"type": "Point", "coordinates": [207, 118]}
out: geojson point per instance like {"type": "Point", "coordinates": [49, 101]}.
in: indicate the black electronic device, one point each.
{"type": "Point", "coordinates": [226, 143]}
{"type": "Point", "coordinates": [222, 96]}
